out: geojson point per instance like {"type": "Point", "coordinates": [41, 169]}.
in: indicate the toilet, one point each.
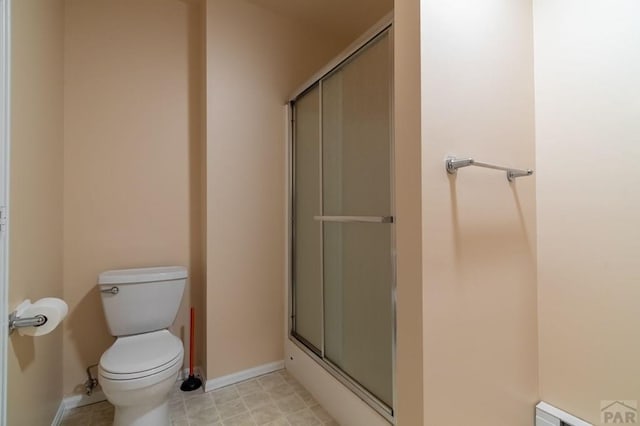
{"type": "Point", "coordinates": [139, 371]}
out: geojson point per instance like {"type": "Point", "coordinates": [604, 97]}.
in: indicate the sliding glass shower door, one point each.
{"type": "Point", "coordinates": [343, 265]}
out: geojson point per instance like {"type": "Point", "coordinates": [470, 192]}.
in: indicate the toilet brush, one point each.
{"type": "Point", "coordinates": [192, 382]}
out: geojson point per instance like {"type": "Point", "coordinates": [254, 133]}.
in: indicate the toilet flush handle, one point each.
{"type": "Point", "coordinates": [112, 290]}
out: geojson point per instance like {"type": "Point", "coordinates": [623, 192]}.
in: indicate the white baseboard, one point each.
{"type": "Point", "coordinates": [57, 420]}
{"type": "Point", "coordinates": [75, 401]}
{"type": "Point", "coordinates": [241, 376]}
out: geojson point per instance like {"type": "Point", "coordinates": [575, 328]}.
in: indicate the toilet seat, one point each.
{"type": "Point", "coordinates": [142, 355]}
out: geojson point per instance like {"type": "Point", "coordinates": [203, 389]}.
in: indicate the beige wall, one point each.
{"type": "Point", "coordinates": [132, 194]}
{"type": "Point", "coordinates": [34, 374]}
{"type": "Point", "coordinates": [478, 248]}
{"type": "Point", "coordinates": [588, 145]}
{"type": "Point", "coordinates": [255, 59]}
{"type": "Point", "coordinates": [346, 19]}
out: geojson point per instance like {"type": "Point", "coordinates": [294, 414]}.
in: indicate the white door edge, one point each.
{"type": "Point", "coordinates": [5, 67]}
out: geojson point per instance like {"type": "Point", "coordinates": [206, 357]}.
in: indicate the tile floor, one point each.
{"type": "Point", "coordinates": [275, 399]}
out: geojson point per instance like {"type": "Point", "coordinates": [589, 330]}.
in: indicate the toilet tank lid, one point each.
{"type": "Point", "coordinates": [142, 275]}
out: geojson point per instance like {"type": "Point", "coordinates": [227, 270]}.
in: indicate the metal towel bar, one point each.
{"type": "Point", "coordinates": [452, 165]}
{"type": "Point", "coordinates": [360, 219]}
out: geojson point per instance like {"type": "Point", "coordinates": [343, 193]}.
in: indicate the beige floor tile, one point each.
{"type": "Point", "coordinates": [256, 400]}
{"type": "Point", "coordinates": [177, 414]}
{"type": "Point", "coordinates": [244, 419]}
{"type": "Point", "coordinates": [279, 422]}
{"type": "Point", "coordinates": [266, 414]}
{"type": "Point", "coordinates": [193, 394]}
{"type": "Point", "coordinates": [270, 381]}
{"type": "Point", "coordinates": [297, 386]}
{"type": "Point", "coordinates": [204, 417]}
{"type": "Point", "coordinates": [231, 408]}
{"type": "Point", "coordinates": [250, 386]}
{"type": "Point", "coordinates": [280, 391]}
{"type": "Point", "coordinates": [77, 420]}
{"type": "Point", "coordinates": [288, 377]}
{"type": "Point", "coordinates": [303, 418]}
{"type": "Point", "coordinates": [176, 411]}
{"type": "Point", "coordinates": [202, 402]}
{"type": "Point", "coordinates": [80, 410]}
{"type": "Point", "coordinates": [101, 406]}
{"type": "Point", "coordinates": [173, 401]}
{"type": "Point", "coordinates": [80, 416]}
{"type": "Point", "coordinates": [290, 404]}
{"type": "Point", "coordinates": [102, 416]}
{"type": "Point", "coordinates": [226, 394]}
{"type": "Point", "coordinates": [180, 422]}
{"type": "Point", "coordinates": [175, 398]}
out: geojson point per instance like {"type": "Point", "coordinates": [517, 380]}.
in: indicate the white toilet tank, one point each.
{"type": "Point", "coordinates": [141, 300]}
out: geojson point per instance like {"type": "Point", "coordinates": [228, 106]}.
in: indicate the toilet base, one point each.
{"type": "Point", "coordinates": [136, 415]}
{"type": "Point", "coordinates": [141, 401]}
{"type": "Point", "coordinates": [144, 401]}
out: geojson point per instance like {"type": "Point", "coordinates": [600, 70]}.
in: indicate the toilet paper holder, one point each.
{"type": "Point", "coordinates": [16, 322]}
{"type": "Point", "coordinates": [39, 318]}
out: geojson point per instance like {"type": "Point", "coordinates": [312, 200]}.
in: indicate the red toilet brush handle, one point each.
{"type": "Point", "coordinates": [191, 338]}
{"type": "Point", "coordinates": [191, 383]}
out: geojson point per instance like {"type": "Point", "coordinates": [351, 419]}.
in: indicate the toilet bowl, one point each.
{"type": "Point", "coordinates": [139, 371]}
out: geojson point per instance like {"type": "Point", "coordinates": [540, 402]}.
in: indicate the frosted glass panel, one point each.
{"type": "Point", "coordinates": [356, 107]}
{"type": "Point", "coordinates": [358, 304]}
{"type": "Point", "coordinates": [307, 260]}
{"type": "Point", "coordinates": [358, 268]}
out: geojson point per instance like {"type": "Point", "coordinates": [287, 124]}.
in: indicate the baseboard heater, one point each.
{"type": "Point", "coordinates": [548, 415]}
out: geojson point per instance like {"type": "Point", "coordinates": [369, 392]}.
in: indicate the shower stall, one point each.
{"type": "Point", "coordinates": [342, 307]}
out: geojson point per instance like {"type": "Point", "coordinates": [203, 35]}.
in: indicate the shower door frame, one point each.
{"type": "Point", "coordinates": [385, 25]}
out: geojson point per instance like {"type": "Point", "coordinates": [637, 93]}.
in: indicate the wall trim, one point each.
{"type": "Point", "coordinates": [75, 401]}
{"type": "Point", "coordinates": [57, 420]}
{"type": "Point", "coordinates": [241, 376]}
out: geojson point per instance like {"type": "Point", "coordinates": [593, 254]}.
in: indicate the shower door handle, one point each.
{"type": "Point", "coordinates": [358, 219]}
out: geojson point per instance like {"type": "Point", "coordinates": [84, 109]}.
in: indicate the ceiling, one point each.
{"type": "Point", "coordinates": [347, 19]}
